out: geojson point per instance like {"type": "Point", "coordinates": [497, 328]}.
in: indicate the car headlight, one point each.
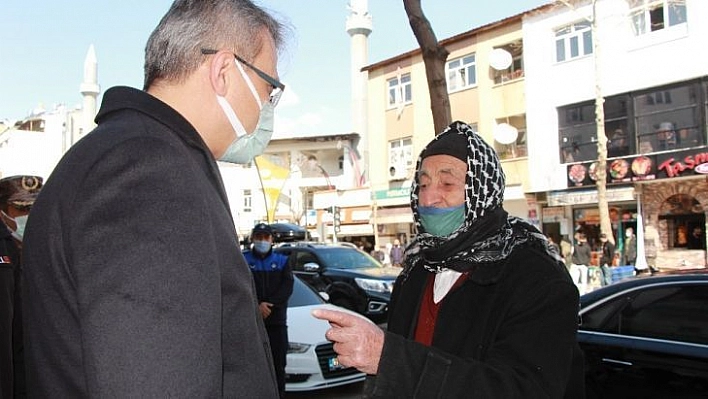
{"type": "Point", "coordinates": [297, 347]}
{"type": "Point", "coordinates": [373, 285]}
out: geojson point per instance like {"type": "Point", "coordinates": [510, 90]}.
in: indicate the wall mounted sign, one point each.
{"type": "Point", "coordinates": [641, 167]}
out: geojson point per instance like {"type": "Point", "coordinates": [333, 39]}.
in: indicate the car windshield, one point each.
{"type": "Point", "coordinates": [347, 258]}
{"type": "Point", "coordinates": [303, 295]}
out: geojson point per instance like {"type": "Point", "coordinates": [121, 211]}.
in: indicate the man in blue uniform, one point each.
{"type": "Point", "coordinates": [274, 284]}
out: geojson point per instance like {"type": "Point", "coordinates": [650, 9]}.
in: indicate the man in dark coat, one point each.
{"type": "Point", "coordinates": [483, 307]}
{"type": "Point", "coordinates": [135, 283]}
{"type": "Point", "coordinates": [606, 259]}
{"type": "Point", "coordinates": [17, 194]}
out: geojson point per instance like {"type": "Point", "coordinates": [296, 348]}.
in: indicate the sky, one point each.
{"type": "Point", "coordinates": [43, 45]}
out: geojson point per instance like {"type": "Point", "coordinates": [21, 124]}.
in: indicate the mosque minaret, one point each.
{"type": "Point", "coordinates": [89, 90]}
{"type": "Point", "coordinates": [359, 27]}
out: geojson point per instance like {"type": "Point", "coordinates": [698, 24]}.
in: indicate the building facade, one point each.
{"type": "Point", "coordinates": [486, 85]}
{"type": "Point", "coordinates": [643, 60]}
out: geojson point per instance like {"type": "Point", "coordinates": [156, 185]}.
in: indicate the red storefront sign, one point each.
{"type": "Point", "coordinates": [641, 167]}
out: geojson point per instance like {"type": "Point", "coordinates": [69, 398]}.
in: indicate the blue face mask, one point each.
{"type": "Point", "coordinates": [441, 222]}
{"type": "Point", "coordinates": [261, 247]}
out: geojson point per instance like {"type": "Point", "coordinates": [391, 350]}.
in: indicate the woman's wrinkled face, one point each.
{"type": "Point", "coordinates": [442, 182]}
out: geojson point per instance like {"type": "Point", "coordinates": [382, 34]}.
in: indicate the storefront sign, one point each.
{"type": "Point", "coordinates": [695, 162]}
{"type": "Point", "coordinates": [628, 170]}
{"type": "Point", "coordinates": [589, 197]}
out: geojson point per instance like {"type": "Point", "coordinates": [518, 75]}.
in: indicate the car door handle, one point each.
{"type": "Point", "coordinates": [616, 362]}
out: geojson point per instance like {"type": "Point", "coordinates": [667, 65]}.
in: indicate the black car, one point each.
{"type": "Point", "coordinates": [646, 337]}
{"type": "Point", "coordinates": [287, 232]}
{"type": "Point", "coordinates": [351, 278]}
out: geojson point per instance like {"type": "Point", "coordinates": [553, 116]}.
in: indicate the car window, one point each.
{"type": "Point", "coordinates": [604, 317]}
{"type": "Point", "coordinates": [303, 295]}
{"type": "Point", "coordinates": [300, 258]}
{"type": "Point", "coordinates": [675, 313]}
{"type": "Point", "coordinates": [671, 313]}
{"type": "Point", "coordinates": [347, 258]}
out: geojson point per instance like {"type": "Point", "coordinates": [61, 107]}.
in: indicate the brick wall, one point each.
{"type": "Point", "coordinates": [654, 195]}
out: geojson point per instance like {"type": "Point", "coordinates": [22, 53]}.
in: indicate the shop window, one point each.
{"type": "Point", "coordinates": [668, 118]}
{"type": "Point", "coordinates": [659, 119]}
{"type": "Point", "coordinates": [685, 222]}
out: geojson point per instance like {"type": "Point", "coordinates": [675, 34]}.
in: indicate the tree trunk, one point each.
{"type": "Point", "coordinates": [601, 170]}
{"type": "Point", "coordinates": [434, 58]}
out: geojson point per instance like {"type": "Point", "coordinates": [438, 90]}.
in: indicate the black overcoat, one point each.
{"type": "Point", "coordinates": [509, 331]}
{"type": "Point", "coordinates": [135, 284]}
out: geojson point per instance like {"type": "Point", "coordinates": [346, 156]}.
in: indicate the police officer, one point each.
{"type": "Point", "coordinates": [17, 194]}
{"type": "Point", "coordinates": [274, 284]}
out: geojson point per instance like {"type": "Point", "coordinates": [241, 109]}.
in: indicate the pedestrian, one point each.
{"type": "Point", "coordinates": [274, 285]}
{"type": "Point", "coordinates": [553, 245]}
{"type": "Point", "coordinates": [135, 282]}
{"type": "Point", "coordinates": [566, 251]}
{"type": "Point", "coordinates": [17, 195]}
{"type": "Point", "coordinates": [582, 255]}
{"type": "Point", "coordinates": [482, 308]}
{"type": "Point", "coordinates": [630, 247]}
{"type": "Point", "coordinates": [606, 259]}
{"type": "Point", "coordinates": [396, 253]}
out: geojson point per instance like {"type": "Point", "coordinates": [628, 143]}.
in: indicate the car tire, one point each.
{"type": "Point", "coordinates": [345, 303]}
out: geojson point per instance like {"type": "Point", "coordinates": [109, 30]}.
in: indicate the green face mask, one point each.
{"type": "Point", "coordinates": [441, 222]}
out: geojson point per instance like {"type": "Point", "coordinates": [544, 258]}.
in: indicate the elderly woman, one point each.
{"type": "Point", "coordinates": [483, 307]}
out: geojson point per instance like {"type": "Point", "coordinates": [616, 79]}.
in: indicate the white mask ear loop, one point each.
{"type": "Point", "coordinates": [231, 116]}
{"type": "Point", "coordinates": [249, 83]}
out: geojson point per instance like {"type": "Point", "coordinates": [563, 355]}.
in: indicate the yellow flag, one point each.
{"type": "Point", "coordinates": [273, 177]}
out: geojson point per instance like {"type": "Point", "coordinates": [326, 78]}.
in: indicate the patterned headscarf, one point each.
{"type": "Point", "coordinates": [488, 234]}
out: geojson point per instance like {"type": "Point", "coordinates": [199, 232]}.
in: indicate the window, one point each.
{"type": "Point", "coordinates": [578, 133]}
{"type": "Point", "coordinates": [516, 69]}
{"type": "Point", "coordinates": [399, 90]}
{"type": "Point", "coordinates": [672, 313]}
{"type": "Point", "coordinates": [619, 141]}
{"type": "Point", "coordinates": [573, 41]}
{"type": "Point", "coordinates": [516, 149]}
{"type": "Point", "coordinates": [659, 119]}
{"type": "Point", "coordinates": [247, 200]}
{"type": "Point", "coordinates": [461, 73]}
{"type": "Point", "coordinates": [652, 15]}
{"type": "Point", "coordinates": [400, 153]}
{"type": "Point", "coordinates": [668, 118]}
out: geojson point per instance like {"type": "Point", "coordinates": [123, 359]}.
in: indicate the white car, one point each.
{"type": "Point", "coordinates": [311, 362]}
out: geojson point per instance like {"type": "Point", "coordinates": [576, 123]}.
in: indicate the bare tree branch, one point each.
{"type": "Point", "coordinates": [434, 58]}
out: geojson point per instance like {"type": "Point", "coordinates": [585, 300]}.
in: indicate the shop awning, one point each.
{"type": "Point", "coordinates": [400, 214]}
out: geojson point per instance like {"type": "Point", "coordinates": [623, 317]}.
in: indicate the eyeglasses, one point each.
{"type": "Point", "coordinates": [277, 86]}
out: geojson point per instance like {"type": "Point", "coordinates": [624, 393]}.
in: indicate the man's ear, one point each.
{"type": "Point", "coordinates": [219, 67]}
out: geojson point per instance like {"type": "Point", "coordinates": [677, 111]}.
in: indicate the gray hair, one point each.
{"type": "Point", "coordinates": [173, 50]}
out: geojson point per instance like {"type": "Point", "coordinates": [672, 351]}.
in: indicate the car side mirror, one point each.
{"type": "Point", "coordinates": [311, 267]}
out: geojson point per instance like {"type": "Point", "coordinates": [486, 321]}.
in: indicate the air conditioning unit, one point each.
{"type": "Point", "coordinates": [397, 171]}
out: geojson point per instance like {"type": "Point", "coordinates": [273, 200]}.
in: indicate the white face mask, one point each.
{"type": "Point", "coordinates": [247, 146]}
{"type": "Point", "coordinates": [20, 222]}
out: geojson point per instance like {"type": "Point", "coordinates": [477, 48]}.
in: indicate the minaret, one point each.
{"type": "Point", "coordinates": [359, 27]}
{"type": "Point", "coordinates": [89, 89]}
